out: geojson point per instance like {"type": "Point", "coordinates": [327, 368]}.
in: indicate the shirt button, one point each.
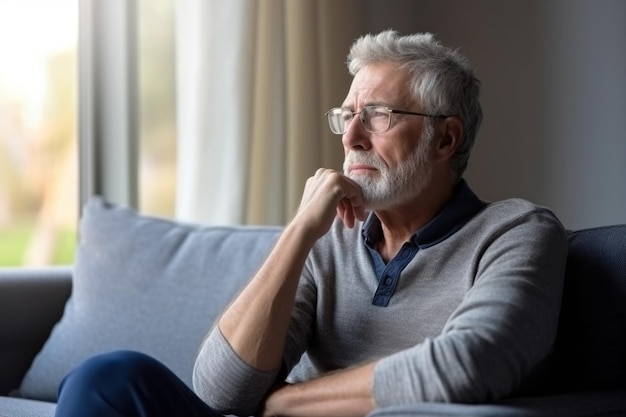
{"type": "Point", "coordinates": [388, 280]}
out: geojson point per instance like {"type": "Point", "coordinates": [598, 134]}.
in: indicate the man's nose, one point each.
{"type": "Point", "coordinates": [356, 137]}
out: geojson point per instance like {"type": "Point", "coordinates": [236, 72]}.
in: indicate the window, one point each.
{"type": "Point", "coordinates": [38, 124]}
{"type": "Point", "coordinates": [157, 107]}
{"type": "Point", "coordinates": [38, 163]}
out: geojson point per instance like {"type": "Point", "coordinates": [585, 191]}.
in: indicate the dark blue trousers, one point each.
{"type": "Point", "coordinates": [127, 384]}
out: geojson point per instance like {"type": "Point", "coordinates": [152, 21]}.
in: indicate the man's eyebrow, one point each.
{"type": "Point", "coordinates": [367, 104]}
{"type": "Point", "coordinates": [378, 103]}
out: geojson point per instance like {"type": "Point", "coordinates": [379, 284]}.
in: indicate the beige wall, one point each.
{"type": "Point", "coordinates": [554, 96]}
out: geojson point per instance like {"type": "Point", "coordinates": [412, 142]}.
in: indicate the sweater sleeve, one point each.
{"type": "Point", "coordinates": [227, 383]}
{"type": "Point", "coordinates": [504, 327]}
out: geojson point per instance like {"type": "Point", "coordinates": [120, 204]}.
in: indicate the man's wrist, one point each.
{"type": "Point", "coordinates": [276, 403]}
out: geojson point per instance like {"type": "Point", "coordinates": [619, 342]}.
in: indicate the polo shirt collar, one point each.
{"type": "Point", "coordinates": [462, 207]}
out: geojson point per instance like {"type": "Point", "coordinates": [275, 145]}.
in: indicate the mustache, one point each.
{"type": "Point", "coordinates": [365, 158]}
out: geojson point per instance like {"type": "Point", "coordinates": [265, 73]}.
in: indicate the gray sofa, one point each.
{"type": "Point", "coordinates": [156, 286]}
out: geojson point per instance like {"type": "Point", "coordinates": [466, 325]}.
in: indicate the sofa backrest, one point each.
{"type": "Point", "coordinates": [157, 286]}
{"type": "Point", "coordinates": [590, 349]}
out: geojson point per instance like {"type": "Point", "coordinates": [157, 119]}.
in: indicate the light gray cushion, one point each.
{"type": "Point", "coordinates": [145, 284]}
{"type": "Point", "coordinates": [21, 407]}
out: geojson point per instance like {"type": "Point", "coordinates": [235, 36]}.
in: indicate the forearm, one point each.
{"type": "Point", "coordinates": [240, 360]}
{"type": "Point", "coordinates": [256, 323]}
{"type": "Point", "coordinates": [345, 393]}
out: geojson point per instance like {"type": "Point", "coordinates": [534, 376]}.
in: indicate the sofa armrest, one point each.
{"type": "Point", "coordinates": [31, 303]}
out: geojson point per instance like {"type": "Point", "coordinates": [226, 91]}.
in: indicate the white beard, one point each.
{"type": "Point", "coordinates": [393, 186]}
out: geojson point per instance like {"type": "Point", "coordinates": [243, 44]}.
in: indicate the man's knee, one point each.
{"type": "Point", "coordinates": [118, 367]}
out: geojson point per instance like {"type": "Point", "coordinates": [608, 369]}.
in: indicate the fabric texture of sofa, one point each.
{"type": "Point", "coordinates": [156, 286]}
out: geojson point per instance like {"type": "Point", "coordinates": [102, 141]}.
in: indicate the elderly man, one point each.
{"type": "Point", "coordinates": [394, 283]}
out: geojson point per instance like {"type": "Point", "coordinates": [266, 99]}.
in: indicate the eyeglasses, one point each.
{"type": "Point", "coordinates": [375, 119]}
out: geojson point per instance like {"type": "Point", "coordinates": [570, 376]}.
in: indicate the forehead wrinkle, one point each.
{"type": "Point", "coordinates": [369, 99]}
{"type": "Point", "coordinates": [378, 88]}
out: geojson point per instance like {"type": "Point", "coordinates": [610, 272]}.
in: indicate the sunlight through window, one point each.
{"type": "Point", "coordinates": [38, 163]}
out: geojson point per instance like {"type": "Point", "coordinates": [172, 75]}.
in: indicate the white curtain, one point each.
{"type": "Point", "coordinates": [254, 80]}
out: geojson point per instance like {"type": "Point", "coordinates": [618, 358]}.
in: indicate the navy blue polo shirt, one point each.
{"type": "Point", "coordinates": [463, 206]}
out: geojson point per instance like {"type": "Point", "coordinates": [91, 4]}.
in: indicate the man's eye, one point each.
{"type": "Point", "coordinates": [377, 113]}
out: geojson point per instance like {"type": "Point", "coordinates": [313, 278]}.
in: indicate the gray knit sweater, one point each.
{"type": "Point", "coordinates": [470, 317]}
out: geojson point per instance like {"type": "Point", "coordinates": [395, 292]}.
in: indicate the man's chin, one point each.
{"type": "Point", "coordinates": [364, 179]}
{"type": "Point", "coordinates": [373, 197]}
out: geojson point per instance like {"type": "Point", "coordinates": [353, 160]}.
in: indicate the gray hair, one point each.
{"type": "Point", "coordinates": [443, 81]}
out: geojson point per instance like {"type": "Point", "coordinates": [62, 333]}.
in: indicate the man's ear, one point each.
{"type": "Point", "coordinates": [450, 137]}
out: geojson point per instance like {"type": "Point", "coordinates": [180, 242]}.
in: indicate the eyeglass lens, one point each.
{"type": "Point", "coordinates": [375, 119]}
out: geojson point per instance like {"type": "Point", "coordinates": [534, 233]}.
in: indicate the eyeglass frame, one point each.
{"type": "Point", "coordinates": [389, 111]}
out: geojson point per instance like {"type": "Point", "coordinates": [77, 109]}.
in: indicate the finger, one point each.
{"type": "Point", "coordinates": [355, 203]}
{"type": "Point", "coordinates": [347, 214]}
{"type": "Point", "coordinates": [341, 210]}
{"type": "Point", "coordinates": [359, 212]}
{"type": "Point", "coordinates": [351, 207]}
